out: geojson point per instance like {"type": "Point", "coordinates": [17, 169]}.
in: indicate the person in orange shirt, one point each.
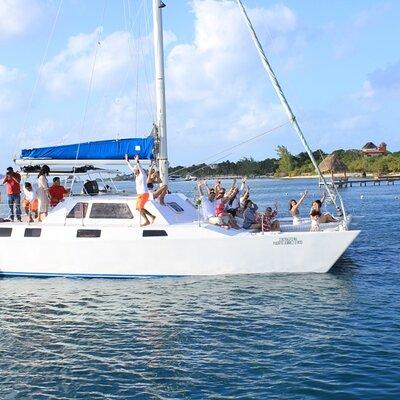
{"type": "Point", "coordinates": [57, 192]}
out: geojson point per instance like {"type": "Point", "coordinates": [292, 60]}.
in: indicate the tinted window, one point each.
{"type": "Point", "coordinates": [5, 232]}
{"type": "Point", "coordinates": [111, 211]}
{"type": "Point", "coordinates": [33, 232]}
{"type": "Point", "coordinates": [154, 232]}
{"type": "Point", "coordinates": [79, 211]}
{"type": "Point", "coordinates": [88, 233]}
{"type": "Point", "coordinates": [175, 206]}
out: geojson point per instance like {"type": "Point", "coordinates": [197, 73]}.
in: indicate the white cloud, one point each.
{"type": "Point", "coordinates": [72, 67]}
{"type": "Point", "coordinates": [118, 54]}
{"type": "Point", "coordinates": [10, 97]}
{"type": "Point", "coordinates": [18, 16]}
{"type": "Point", "coordinates": [211, 94]}
{"type": "Point", "coordinates": [8, 75]}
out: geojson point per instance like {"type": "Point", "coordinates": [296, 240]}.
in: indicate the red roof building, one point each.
{"type": "Point", "coordinates": [370, 150]}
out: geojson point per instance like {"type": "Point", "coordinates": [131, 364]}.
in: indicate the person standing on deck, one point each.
{"type": "Point", "coordinates": [141, 190]}
{"type": "Point", "coordinates": [43, 192]}
{"type": "Point", "coordinates": [12, 180]}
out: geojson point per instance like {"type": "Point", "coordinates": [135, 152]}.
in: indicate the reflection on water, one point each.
{"type": "Point", "coordinates": [282, 336]}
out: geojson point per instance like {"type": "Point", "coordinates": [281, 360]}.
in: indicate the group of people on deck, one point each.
{"type": "Point", "coordinates": [221, 207]}
{"type": "Point", "coordinates": [36, 203]}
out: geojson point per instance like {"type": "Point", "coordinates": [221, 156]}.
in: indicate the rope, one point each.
{"type": "Point", "coordinates": [38, 77]}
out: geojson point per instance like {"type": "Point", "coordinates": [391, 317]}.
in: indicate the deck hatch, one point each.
{"type": "Point", "coordinates": [33, 232]}
{"type": "Point", "coordinates": [5, 232]}
{"type": "Point", "coordinates": [154, 232]}
{"type": "Point", "coordinates": [110, 211]}
{"type": "Point", "coordinates": [88, 233]}
{"type": "Point", "coordinates": [175, 206]}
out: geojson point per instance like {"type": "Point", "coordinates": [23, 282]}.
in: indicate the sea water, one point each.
{"type": "Point", "coordinates": [312, 336]}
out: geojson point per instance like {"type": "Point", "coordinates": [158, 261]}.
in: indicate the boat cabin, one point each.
{"type": "Point", "coordinates": [120, 210]}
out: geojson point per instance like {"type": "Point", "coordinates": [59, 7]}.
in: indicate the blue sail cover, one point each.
{"type": "Point", "coordinates": [99, 150]}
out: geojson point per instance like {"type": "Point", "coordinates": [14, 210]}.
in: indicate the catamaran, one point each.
{"type": "Point", "coordinates": [100, 235]}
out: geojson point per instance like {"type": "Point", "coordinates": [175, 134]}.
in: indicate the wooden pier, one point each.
{"type": "Point", "coordinates": [345, 183]}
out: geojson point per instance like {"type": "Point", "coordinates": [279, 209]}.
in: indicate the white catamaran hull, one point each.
{"type": "Point", "coordinates": [124, 252]}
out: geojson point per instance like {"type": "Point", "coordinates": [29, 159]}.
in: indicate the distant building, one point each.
{"type": "Point", "coordinates": [370, 150]}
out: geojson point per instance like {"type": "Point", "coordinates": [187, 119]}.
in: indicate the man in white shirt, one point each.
{"type": "Point", "coordinates": [141, 190]}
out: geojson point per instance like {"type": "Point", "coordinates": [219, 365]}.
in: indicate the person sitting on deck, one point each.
{"type": "Point", "coordinates": [324, 218]}
{"type": "Point", "coordinates": [154, 183]}
{"type": "Point", "coordinates": [251, 216]}
{"type": "Point", "coordinates": [236, 195]}
{"type": "Point", "coordinates": [315, 220]}
{"type": "Point", "coordinates": [30, 202]}
{"type": "Point", "coordinates": [207, 196]}
{"type": "Point", "coordinates": [220, 204]}
{"type": "Point", "coordinates": [57, 192]}
{"type": "Point", "coordinates": [269, 223]}
{"type": "Point", "coordinates": [294, 208]}
{"type": "Point", "coordinates": [141, 190]}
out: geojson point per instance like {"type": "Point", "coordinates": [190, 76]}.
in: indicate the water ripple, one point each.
{"type": "Point", "coordinates": [331, 336]}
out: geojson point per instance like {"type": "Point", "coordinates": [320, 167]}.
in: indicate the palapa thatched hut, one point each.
{"type": "Point", "coordinates": [333, 165]}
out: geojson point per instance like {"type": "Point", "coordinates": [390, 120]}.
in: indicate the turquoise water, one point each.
{"type": "Point", "coordinates": [330, 336]}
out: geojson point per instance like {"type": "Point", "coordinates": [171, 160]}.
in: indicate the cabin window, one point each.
{"type": "Point", "coordinates": [88, 233]}
{"type": "Point", "coordinates": [79, 211]}
{"type": "Point", "coordinates": [111, 211]}
{"type": "Point", "coordinates": [175, 206]}
{"type": "Point", "coordinates": [33, 232]}
{"type": "Point", "coordinates": [154, 232]}
{"type": "Point", "coordinates": [5, 232]}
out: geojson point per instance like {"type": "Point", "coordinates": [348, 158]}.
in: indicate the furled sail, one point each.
{"type": "Point", "coordinates": [103, 151]}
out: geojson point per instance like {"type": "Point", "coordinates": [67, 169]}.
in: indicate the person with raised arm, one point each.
{"type": "Point", "coordinates": [269, 221]}
{"type": "Point", "coordinates": [141, 190]}
{"type": "Point", "coordinates": [154, 183]}
{"type": "Point", "coordinates": [325, 217]}
{"type": "Point", "coordinates": [233, 203]}
{"type": "Point", "coordinates": [294, 208]}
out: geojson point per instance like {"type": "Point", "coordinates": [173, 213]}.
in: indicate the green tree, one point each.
{"type": "Point", "coordinates": [286, 161]}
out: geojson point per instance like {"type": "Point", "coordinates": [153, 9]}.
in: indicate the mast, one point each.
{"type": "Point", "coordinates": [161, 120]}
{"type": "Point", "coordinates": [283, 100]}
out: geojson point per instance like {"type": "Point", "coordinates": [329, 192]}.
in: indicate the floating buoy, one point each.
{"type": "Point", "coordinates": [362, 196]}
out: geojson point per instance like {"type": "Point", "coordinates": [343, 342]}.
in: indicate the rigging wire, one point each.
{"type": "Point", "coordinates": [136, 51]}
{"type": "Point", "coordinates": [38, 77]}
{"type": "Point", "coordinates": [90, 87]}
{"type": "Point", "coordinates": [230, 148]}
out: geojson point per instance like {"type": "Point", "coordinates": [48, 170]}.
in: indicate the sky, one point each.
{"type": "Point", "coordinates": [80, 70]}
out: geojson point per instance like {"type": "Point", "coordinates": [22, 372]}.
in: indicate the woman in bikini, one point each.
{"type": "Point", "coordinates": [294, 208]}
